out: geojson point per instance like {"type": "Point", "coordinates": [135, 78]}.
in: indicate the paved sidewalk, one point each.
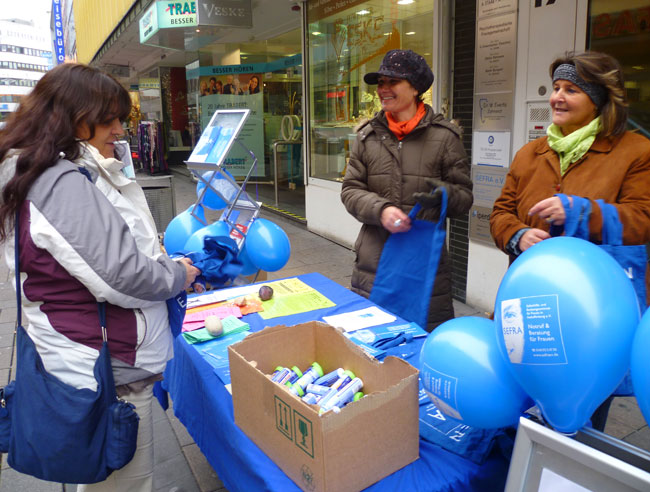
{"type": "Point", "coordinates": [179, 464]}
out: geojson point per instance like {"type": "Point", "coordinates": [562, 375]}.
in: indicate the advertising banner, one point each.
{"type": "Point", "coordinates": [239, 161]}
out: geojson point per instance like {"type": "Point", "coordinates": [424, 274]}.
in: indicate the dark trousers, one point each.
{"type": "Point", "coordinates": [599, 417]}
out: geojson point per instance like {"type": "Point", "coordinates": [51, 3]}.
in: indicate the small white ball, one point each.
{"type": "Point", "coordinates": [213, 325]}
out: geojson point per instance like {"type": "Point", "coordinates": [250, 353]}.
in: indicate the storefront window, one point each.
{"type": "Point", "coordinates": [622, 29]}
{"type": "Point", "coordinates": [344, 44]}
{"type": "Point", "coordinates": [266, 77]}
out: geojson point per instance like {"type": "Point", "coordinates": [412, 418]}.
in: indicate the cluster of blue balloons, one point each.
{"type": "Point", "coordinates": [565, 332]}
{"type": "Point", "coordinates": [266, 246]}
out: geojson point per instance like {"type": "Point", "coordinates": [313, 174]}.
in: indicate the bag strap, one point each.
{"type": "Point", "coordinates": [576, 223]}
{"type": "Point", "coordinates": [19, 304]}
{"type": "Point", "coordinates": [612, 230]}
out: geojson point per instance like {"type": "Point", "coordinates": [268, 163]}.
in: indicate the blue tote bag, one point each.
{"type": "Point", "coordinates": [632, 258]}
{"type": "Point", "coordinates": [408, 265]}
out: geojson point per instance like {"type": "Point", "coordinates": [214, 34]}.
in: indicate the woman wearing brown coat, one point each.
{"type": "Point", "coordinates": [398, 158]}
{"type": "Point", "coordinates": [587, 153]}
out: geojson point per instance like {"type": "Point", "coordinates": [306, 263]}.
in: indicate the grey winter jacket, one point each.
{"type": "Point", "coordinates": [383, 171]}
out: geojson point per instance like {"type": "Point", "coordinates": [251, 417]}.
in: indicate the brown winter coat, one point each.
{"type": "Point", "coordinates": [617, 171]}
{"type": "Point", "coordinates": [383, 171]}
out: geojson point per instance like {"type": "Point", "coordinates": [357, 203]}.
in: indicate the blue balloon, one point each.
{"type": "Point", "coordinates": [211, 199]}
{"type": "Point", "coordinates": [195, 242]}
{"type": "Point", "coordinates": [566, 314]}
{"type": "Point", "coordinates": [181, 228]}
{"type": "Point", "coordinates": [640, 365]}
{"type": "Point", "coordinates": [249, 268]}
{"type": "Point", "coordinates": [267, 245]}
{"type": "Point", "coordinates": [464, 374]}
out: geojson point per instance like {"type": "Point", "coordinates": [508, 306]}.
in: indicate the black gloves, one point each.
{"type": "Point", "coordinates": [431, 200]}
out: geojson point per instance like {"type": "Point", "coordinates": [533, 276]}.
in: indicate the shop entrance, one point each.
{"type": "Point", "coordinates": [266, 77]}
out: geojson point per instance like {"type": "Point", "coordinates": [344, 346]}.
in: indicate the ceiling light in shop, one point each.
{"type": "Point", "coordinates": [410, 33]}
{"type": "Point", "coordinates": [316, 33]}
{"type": "Point", "coordinates": [405, 2]}
{"type": "Point", "coordinates": [363, 12]}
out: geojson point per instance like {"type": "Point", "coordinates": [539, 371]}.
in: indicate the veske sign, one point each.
{"type": "Point", "coordinates": [233, 13]}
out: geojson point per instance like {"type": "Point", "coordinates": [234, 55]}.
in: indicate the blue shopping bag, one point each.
{"type": "Point", "coordinates": [408, 265]}
{"type": "Point", "coordinates": [632, 258]}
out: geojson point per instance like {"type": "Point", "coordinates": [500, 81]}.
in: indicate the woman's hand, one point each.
{"type": "Point", "coordinates": [531, 237]}
{"type": "Point", "coordinates": [394, 220]}
{"type": "Point", "coordinates": [551, 210]}
{"type": "Point", "coordinates": [190, 271]}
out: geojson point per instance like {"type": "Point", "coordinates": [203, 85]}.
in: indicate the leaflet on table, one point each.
{"type": "Point", "coordinates": [215, 353]}
{"type": "Point", "coordinates": [293, 296]}
{"type": "Point", "coordinates": [221, 295]}
{"type": "Point", "coordinates": [230, 325]}
{"type": "Point", "coordinates": [194, 321]}
{"type": "Point", "coordinates": [372, 334]}
{"type": "Point", "coordinates": [363, 318]}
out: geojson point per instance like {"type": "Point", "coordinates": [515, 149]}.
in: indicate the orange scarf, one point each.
{"type": "Point", "coordinates": [403, 128]}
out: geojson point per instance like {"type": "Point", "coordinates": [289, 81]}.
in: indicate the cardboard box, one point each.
{"type": "Point", "coordinates": [368, 440]}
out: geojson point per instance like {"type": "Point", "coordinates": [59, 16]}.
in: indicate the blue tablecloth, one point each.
{"type": "Point", "coordinates": [204, 406]}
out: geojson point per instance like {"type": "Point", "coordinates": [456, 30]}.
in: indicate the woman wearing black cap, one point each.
{"type": "Point", "coordinates": [587, 153]}
{"type": "Point", "coordinates": [399, 157]}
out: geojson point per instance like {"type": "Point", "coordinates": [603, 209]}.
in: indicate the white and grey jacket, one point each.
{"type": "Point", "coordinates": [84, 241]}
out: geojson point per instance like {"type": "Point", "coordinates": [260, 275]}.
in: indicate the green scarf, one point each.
{"type": "Point", "coordinates": [574, 145]}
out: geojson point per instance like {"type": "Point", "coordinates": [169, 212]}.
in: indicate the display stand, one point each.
{"type": "Point", "coordinates": [206, 164]}
{"type": "Point", "coordinates": [544, 460]}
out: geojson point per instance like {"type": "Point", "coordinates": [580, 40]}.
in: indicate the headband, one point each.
{"type": "Point", "coordinates": [596, 92]}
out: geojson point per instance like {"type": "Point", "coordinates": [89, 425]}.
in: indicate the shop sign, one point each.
{"type": "Point", "coordinates": [58, 31]}
{"type": "Point", "coordinates": [495, 53]}
{"type": "Point", "coordinates": [488, 182]}
{"type": "Point", "coordinates": [319, 9]}
{"type": "Point", "coordinates": [479, 224]}
{"type": "Point", "coordinates": [149, 83]}
{"type": "Point", "coordinates": [495, 7]}
{"type": "Point", "coordinates": [624, 23]}
{"type": "Point", "coordinates": [493, 111]}
{"type": "Point", "coordinates": [176, 14]}
{"type": "Point", "coordinates": [148, 23]}
{"type": "Point", "coordinates": [165, 15]}
{"type": "Point", "coordinates": [228, 13]}
{"type": "Point", "coordinates": [281, 64]}
{"type": "Point", "coordinates": [491, 148]}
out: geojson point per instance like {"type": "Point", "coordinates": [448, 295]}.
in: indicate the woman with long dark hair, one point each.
{"type": "Point", "coordinates": [87, 236]}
